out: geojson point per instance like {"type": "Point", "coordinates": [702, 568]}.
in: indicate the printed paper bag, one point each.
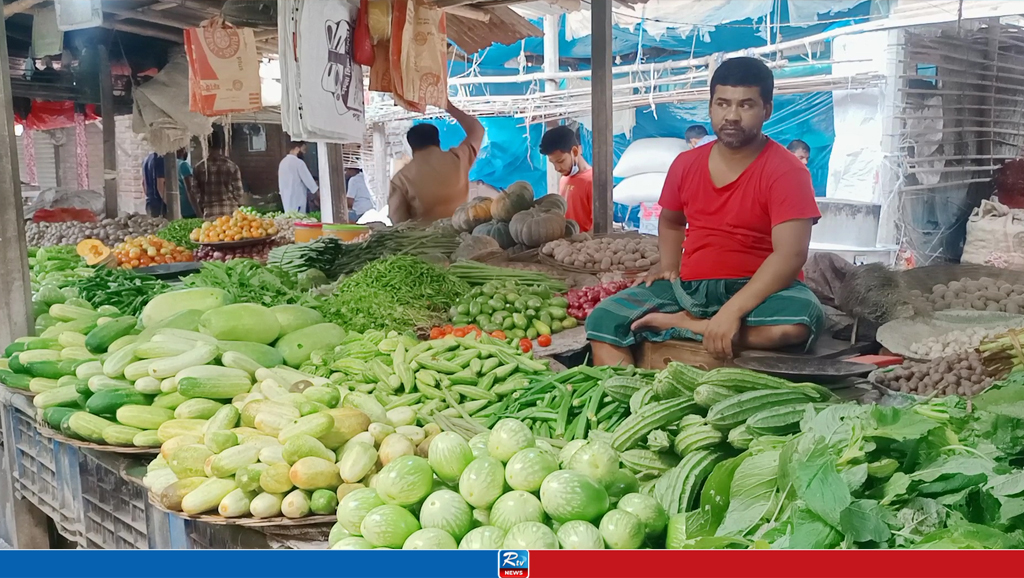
{"type": "Point", "coordinates": [224, 69]}
{"type": "Point", "coordinates": [419, 56]}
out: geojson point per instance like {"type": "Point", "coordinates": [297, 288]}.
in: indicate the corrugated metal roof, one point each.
{"type": "Point", "coordinates": [503, 26]}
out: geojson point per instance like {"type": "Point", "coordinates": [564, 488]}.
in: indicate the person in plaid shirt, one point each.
{"type": "Point", "coordinates": [218, 182]}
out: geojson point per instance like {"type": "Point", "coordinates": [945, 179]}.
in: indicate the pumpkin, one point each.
{"type": "Point", "coordinates": [93, 251]}
{"type": "Point", "coordinates": [555, 203]}
{"type": "Point", "coordinates": [517, 198]}
{"type": "Point", "coordinates": [471, 213]}
{"type": "Point", "coordinates": [535, 227]}
{"type": "Point", "coordinates": [571, 228]}
{"type": "Point", "coordinates": [496, 230]}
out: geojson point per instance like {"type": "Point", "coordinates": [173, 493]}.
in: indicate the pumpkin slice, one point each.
{"type": "Point", "coordinates": [93, 251]}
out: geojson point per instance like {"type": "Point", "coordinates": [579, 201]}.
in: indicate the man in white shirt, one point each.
{"type": "Point", "coordinates": [294, 180]}
{"type": "Point", "coordinates": [360, 199]}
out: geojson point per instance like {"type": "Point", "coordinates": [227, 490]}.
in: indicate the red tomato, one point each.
{"type": "Point", "coordinates": [544, 341]}
{"type": "Point", "coordinates": [525, 345]}
{"type": "Point", "coordinates": [499, 334]}
{"type": "Point", "coordinates": [460, 332]}
{"type": "Point", "coordinates": [448, 329]}
{"type": "Point", "coordinates": [436, 333]}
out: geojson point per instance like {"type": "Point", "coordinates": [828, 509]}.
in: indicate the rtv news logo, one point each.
{"type": "Point", "coordinates": [513, 564]}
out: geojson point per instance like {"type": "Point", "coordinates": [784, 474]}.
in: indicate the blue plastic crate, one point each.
{"type": "Point", "coordinates": [113, 509]}
{"type": "Point", "coordinates": [44, 471]}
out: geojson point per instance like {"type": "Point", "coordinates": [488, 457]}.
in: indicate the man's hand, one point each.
{"type": "Point", "coordinates": [721, 332]}
{"type": "Point", "coordinates": [656, 274]}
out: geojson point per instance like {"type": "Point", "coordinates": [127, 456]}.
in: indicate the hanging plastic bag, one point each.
{"type": "Point", "coordinates": [362, 44]}
{"type": "Point", "coordinates": [224, 69]}
{"type": "Point", "coordinates": [419, 56]}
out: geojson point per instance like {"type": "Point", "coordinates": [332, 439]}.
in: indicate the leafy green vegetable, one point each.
{"type": "Point", "coordinates": [819, 484]}
{"type": "Point", "coordinates": [178, 232]}
{"type": "Point", "coordinates": [751, 494]}
{"type": "Point", "coordinates": [864, 521]}
{"type": "Point", "coordinates": [247, 281]}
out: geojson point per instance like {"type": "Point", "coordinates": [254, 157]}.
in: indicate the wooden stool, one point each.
{"type": "Point", "coordinates": [651, 355]}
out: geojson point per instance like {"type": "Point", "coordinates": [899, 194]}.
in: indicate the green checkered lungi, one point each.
{"type": "Point", "coordinates": [611, 320]}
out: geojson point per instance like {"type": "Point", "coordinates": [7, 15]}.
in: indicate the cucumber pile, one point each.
{"type": "Point", "coordinates": [518, 310]}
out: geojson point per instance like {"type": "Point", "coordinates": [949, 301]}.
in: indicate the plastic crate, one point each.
{"type": "Point", "coordinates": [44, 471]}
{"type": "Point", "coordinates": [203, 536]}
{"type": "Point", "coordinates": [113, 510]}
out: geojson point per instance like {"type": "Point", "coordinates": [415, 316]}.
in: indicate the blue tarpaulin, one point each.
{"type": "Point", "coordinates": [510, 150]}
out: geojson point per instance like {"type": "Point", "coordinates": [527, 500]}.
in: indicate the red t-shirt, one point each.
{"type": "Point", "coordinates": [729, 229]}
{"type": "Point", "coordinates": [578, 191]}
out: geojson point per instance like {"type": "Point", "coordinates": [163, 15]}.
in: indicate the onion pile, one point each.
{"type": "Point", "coordinates": [583, 300]}
{"type": "Point", "coordinates": [260, 252]}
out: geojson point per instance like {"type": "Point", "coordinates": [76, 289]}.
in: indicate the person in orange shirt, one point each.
{"type": "Point", "coordinates": [563, 150]}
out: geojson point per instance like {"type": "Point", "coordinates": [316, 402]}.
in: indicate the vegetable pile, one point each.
{"type": "Point", "coordinates": [518, 310]}
{"type": "Point", "coordinates": [179, 232]}
{"type": "Point", "coordinates": [235, 227]}
{"type": "Point", "coordinates": [606, 253]}
{"type": "Point", "coordinates": [108, 231]}
{"type": "Point", "coordinates": [962, 373]}
{"type": "Point", "coordinates": [260, 252]}
{"type": "Point", "coordinates": [584, 299]}
{"type": "Point", "coordinates": [55, 267]}
{"type": "Point", "coordinates": [246, 281]}
{"type": "Point", "coordinates": [984, 294]}
{"type": "Point", "coordinates": [397, 293]}
{"type": "Point", "coordinates": [335, 258]}
{"type": "Point", "coordinates": [954, 342]}
{"type": "Point", "coordinates": [148, 251]}
{"type": "Point", "coordinates": [451, 376]}
{"type": "Point", "coordinates": [125, 291]}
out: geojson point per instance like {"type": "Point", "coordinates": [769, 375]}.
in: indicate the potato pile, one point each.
{"type": "Point", "coordinates": [109, 231]}
{"type": "Point", "coordinates": [605, 253]}
{"type": "Point", "coordinates": [985, 294]}
{"type": "Point", "coordinates": [958, 374]}
{"type": "Point", "coordinates": [954, 341]}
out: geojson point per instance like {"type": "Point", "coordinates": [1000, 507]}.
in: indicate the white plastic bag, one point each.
{"type": "Point", "coordinates": [649, 155]}
{"type": "Point", "coordinates": [995, 236]}
{"type": "Point", "coordinates": [644, 188]}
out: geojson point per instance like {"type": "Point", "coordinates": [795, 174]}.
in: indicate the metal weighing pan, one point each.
{"type": "Point", "coordinates": [804, 369]}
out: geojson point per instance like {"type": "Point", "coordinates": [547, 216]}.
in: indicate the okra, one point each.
{"type": "Point", "coordinates": [487, 381]}
{"type": "Point", "coordinates": [463, 378]}
{"type": "Point", "coordinates": [464, 358]}
{"type": "Point", "coordinates": [490, 365]}
{"type": "Point", "coordinates": [438, 365]}
{"type": "Point", "coordinates": [474, 392]}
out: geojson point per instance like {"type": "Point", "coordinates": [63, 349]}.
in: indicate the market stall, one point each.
{"type": "Point", "coordinates": [395, 387]}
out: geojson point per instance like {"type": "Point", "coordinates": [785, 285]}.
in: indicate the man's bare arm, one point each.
{"type": "Point", "coordinates": [474, 130]}
{"type": "Point", "coordinates": [671, 233]}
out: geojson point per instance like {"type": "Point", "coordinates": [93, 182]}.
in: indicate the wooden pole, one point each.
{"type": "Point", "coordinates": [172, 196]}
{"type": "Point", "coordinates": [21, 524]}
{"type": "Point", "coordinates": [336, 176]}
{"type": "Point", "coordinates": [551, 35]}
{"type": "Point", "coordinates": [602, 111]}
{"type": "Point", "coordinates": [381, 164]}
{"type": "Point", "coordinates": [109, 134]}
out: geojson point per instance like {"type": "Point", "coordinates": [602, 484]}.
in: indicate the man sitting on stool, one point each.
{"type": "Point", "coordinates": [749, 205]}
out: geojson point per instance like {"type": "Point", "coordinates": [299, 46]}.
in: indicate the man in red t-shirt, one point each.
{"type": "Point", "coordinates": [563, 151]}
{"type": "Point", "coordinates": [742, 211]}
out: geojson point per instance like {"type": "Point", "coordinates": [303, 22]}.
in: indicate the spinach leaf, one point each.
{"type": "Point", "coordinates": [819, 484]}
{"type": "Point", "coordinates": [751, 494]}
{"type": "Point", "coordinates": [865, 521]}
